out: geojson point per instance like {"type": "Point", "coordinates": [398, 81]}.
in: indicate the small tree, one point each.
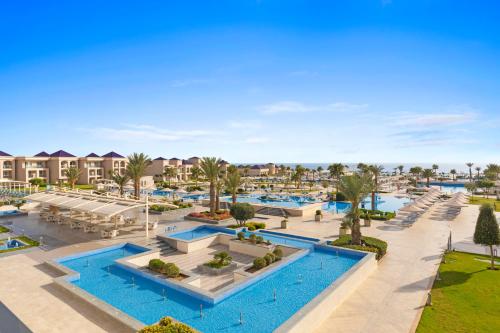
{"type": "Point", "coordinates": [242, 212]}
{"type": "Point", "coordinates": [487, 232]}
{"type": "Point", "coordinates": [72, 174]}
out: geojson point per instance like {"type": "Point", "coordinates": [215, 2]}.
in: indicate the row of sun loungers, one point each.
{"type": "Point", "coordinates": [80, 221]}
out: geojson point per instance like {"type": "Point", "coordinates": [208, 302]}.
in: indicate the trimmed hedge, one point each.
{"type": "Point", "coordinates": [167, 268]}
{"type": "Point", "coordinates": [370, 244]}
{"type": "Point", "coordinates": [252, 226]}
{"type": "Point", "coordinates": [167, 325]}
{"type": "Point", "coordinates": [377, 214]}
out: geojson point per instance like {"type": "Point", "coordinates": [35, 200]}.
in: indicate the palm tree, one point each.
{"type": "Point", "coordinates": [195, 174]}
{"type": "Point", "coordinates": [416, 171]}
{"type": "Point", "coordinates": [319, 169]}
{"type": "Point", "coordinates": [401, 168]}
{"type": "Point", "coordinates": [355, 188]}
{"type": "Point", "coordinates": [336, 171]}
{"type": "Point", "coordinates": [218, 188]}
{"type": "Point", "coordinates": [435, 168]}
{"type": "Point", "coordinates": [223, 258]}
{"type": "Point", "coordinates": [469, 165]}
{"type": "Point", "coordinates": [136, 168]}
{"type": "Point", "coordinates": [428, 173]}
{"type": "Point", "coordinates": [453, 172]}
{"type": "Point", "coordinates": [119, 180]}
{"type": "Point", "coordinates": [478, 169]}
{"type": "Point", "coordinates": [299, 173]}
{"type": "Point", "coordinates": [375, 170]}
{"type": "Point", "coordinates": [232, 183]}
{"type": "Point", "coordinates": [169, 173]}
{"type": "Point", "coordinates": [492, 169]}
{"type": "Point", "coordinates": [211, 169]}
{"type": "Point", "coordinates": [72, 174]}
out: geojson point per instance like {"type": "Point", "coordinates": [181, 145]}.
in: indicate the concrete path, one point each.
{"type": "Point", "coordinates": [392, 298]}
{"type": "Point", "coordinates": [463, 230]}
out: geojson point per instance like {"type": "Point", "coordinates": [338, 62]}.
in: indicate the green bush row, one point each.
{"type": "Point", "coordinates": [377, 214]}
{"type": "Point", "coordinates": [169, 269]}
{"type": "Point", "coordinates": [167, 325]}
{"type": "Point", "coordinates": [268, 259]}
{"type": "Point", "coordinates": [369, 244]}
{"type": "Point", "coordinates": [250, 226]}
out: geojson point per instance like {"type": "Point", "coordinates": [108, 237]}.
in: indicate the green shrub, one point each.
{"type": "Point", "coordinates": [256, 225]}
{"type": "Point", "coordinates": [241, 235]}
{"type": "Point", "coordinates": [269, 258]}
{"type": "Point", "coordinates": [259, 239]}
{"type": "Point", "coordinates": [242, 212]}
{"type": "Point", "coordinates": [171, 270]}
{"type": "Point", "coordinates": [278, 252]}
{"type": "Point", "coordinates": [156, 265]}
{"type": "Point", "coordinates": [370, 244]}
{"type": "Point", "coordinates": [165, 321]}
{"type": "Point", "coordinates": [259, 263]}
{"type": "Point", "coordinates": [253, 238]}
{"type": "Point", "coordinates": [251, 228]}
{"type": "Point", "coordinates": [340, 197]}
{"type": "Point", "coordinates": [167, 325]}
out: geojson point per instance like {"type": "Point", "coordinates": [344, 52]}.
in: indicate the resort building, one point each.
{"type": "Point", "coordinates": [160, 164]}
{"type": "Point", "coordinates": [258, 170]}
{"type": "Point", "coordinates": [114, 163]}
{"type": "Point", "coordinates": [91, 168]}
{"type": "Point", "coordinates": [37, 166]}
{"type": "Point", "coordinates": [58, 163]}
{"type": "Point", "coordinates": [7, 166]}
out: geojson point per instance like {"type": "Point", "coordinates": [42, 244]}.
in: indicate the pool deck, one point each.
{"type": "Point", "coordinates": [390, 300]}
{"type": "Point", "coordinates": [190, 262]}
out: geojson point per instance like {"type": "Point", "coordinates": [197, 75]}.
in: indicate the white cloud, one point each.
{"type": "Point", "coordinates": [436, 119]}
{"type": "Point", "coordinates": [188, 82]}
{"type": "Point", "coordinates": [256, 140]}
{"type": "Point", "coordinates": [145, 133]}
{"type": "Point", "coordinates": [299, 107]}
{"type": "Point", "coordinates": [245, 124]}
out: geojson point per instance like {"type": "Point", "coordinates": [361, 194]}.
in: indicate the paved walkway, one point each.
{"type": "Point", "coordinates": [392, 298]}
{"type": "Point", "coordinates": [463, 231]}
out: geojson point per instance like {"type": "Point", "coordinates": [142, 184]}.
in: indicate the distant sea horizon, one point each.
{"type": "Point", "coordinates": [443, 167]}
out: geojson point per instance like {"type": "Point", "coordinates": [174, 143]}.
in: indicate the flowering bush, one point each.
{"type": "Point", "coordinates": [219, 215]}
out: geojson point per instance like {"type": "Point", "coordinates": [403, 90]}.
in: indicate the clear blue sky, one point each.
{"type": "Point", "coordinates": [268, 80]}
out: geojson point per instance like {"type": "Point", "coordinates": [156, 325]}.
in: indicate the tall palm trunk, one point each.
{"type": "Point", "coordinates": [233, 197]}
{"type": "Point", "coordinates": [373, 200]}
{"type": "Point", "coordinates": [137, 189]}
{"type": "Point", "coordinates": [212, 198]}
{"type": "Point", "coordinates": [356, 231]}
{"type": "Point", "coordinates": [217, 199]}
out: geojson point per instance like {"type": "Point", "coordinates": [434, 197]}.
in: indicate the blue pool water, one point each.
{"type": "Point", "coordinates": [387, 203]}
{"type": "Point", "coordinates": [447, 187]}
{"type": "Point", "coordinates": [286, 201]}
{"type": "Point", "coordinates": [9, 212]}
{"type": "Point", "coordinates": [295, 285]}
{"type": "Point", "coordinates": [13, 243]}
{"type": "Point", "coordinates": [199, 232]}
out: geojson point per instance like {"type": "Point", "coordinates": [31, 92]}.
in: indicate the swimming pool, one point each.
{"type": "Point", "coordinates": [295, 285]}
{"type": "Point", "coordinates": [387, 203]}
{"type": "Point", "coordinates": [447, 187]}
{"type": "Point", "coordinates": [285, 201]}
{"type": "Point", "coordinates": [11, 244]}
{"type": "Point", "coordinates": [199, 232]}
{"type": "Point", "coordinates": [9, 213]}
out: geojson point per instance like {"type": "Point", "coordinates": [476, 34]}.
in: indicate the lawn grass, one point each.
{"type": "Point", "coordinates": [480, 201]}
{"type": "Point", "coordinates": [466, 299]}
{"type": "Point", "coordinates": [3, 229]}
